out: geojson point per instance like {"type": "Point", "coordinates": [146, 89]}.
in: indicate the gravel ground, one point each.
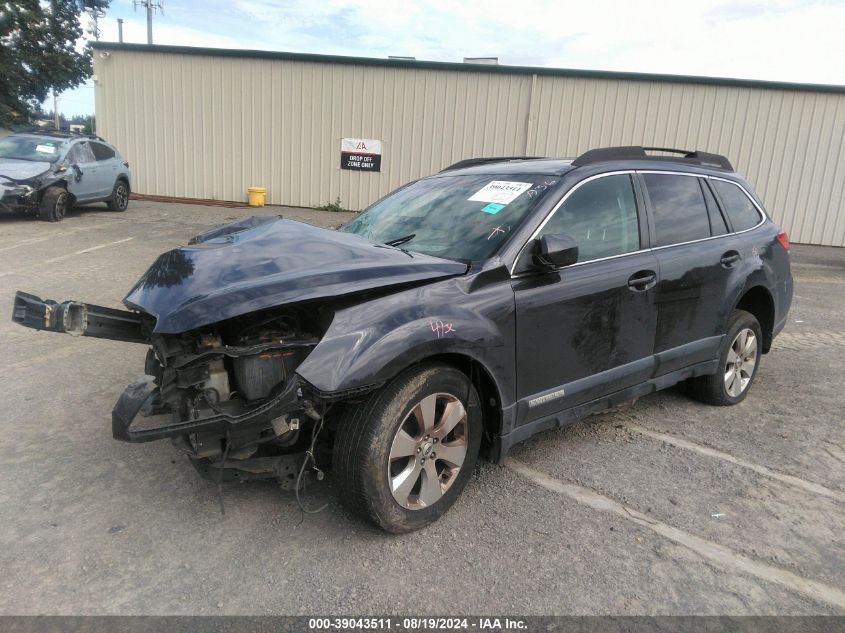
{"type": "Point", "coordinates": [667, 507]}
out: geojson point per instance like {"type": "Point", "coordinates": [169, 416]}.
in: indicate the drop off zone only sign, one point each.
{"type": "Point", "coordinates": [362, 154]}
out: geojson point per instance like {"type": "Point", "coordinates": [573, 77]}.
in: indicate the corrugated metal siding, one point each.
{"type": "Point", "coordinates": [209, 127]}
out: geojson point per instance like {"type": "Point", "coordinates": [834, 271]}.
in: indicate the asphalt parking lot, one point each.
{"type": "Point", "coordinates": [668, 507]}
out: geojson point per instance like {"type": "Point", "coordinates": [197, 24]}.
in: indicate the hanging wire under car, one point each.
{"type": "Point", "coordinates": [309, 456]}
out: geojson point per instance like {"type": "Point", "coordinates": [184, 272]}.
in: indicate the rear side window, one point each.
{"type": "Point", "coordinates": [680, 214]}
{"type": "Point", "coordinates": [601, 216]}
{"type": "Point", "coordinates": [741, 211]}
{"type": "Point", "coordinates": [102, 152]}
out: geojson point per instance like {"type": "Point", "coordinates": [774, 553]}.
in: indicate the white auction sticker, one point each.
{"type": "Point", "coordinates": [500, 191]}
{"type": "Point", "coordinates": [45, 149]}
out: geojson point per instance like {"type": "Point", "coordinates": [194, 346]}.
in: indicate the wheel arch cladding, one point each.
{"type": "Point", "coordinates": [759, 302]}
{"type": "Point", "coordinates": [486, 387]}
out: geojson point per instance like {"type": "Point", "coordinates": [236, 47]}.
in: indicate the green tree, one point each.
{"type": "Point", "coordinates": [40, 50]}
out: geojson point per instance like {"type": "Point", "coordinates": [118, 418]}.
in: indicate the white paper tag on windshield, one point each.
{"type": "Point", "coordinates": [500, 191]}
{"type": "Point", "coordinates": [45, 149]}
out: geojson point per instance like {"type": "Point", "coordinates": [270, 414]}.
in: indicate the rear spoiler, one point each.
{"type": "Point", "coordinates": [79, 319]}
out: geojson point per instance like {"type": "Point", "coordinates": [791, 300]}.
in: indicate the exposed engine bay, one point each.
{"type": "Point", "coordinates": [254, 355]}
{"type": "Point", "coordinates": [227, 395]}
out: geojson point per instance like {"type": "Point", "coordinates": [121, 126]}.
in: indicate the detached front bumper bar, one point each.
{"type": "Point", "coordinates": [78, 319]}
{"type": "Point", "coordinates": [140, 392]}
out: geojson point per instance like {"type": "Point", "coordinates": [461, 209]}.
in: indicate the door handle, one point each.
{"type": "Point", "coordinates": [729, 259]}
{"type": "Point", "coordinates": [642, 280]}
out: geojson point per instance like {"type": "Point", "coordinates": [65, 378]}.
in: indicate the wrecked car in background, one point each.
{"type": "Point", "coordinates": [46, 174]}
{"type": "Point", "coordinates": [455, 317]}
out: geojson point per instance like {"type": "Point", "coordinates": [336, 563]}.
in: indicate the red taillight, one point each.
{"type": "Point", "coordinates": [783, 238]}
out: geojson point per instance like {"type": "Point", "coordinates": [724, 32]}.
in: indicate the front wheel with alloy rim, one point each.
{"type": "Point", "coordinates": [403, 457]}
{"type": "Point", "coordinates": [119, 200]}
{"type": "Point", "coordinates": [53, 205]}
{"type": "Point", "coordinates": [738, 363]}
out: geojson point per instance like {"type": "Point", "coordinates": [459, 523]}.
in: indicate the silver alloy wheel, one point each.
{"type": "Point", "coordinates": [741, 361]}
{"type": "Point", "coordinates": [121, 197]}
{"type": "Point", "coordinates": [428, 451]}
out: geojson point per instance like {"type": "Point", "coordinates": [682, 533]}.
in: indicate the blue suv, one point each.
{"type": "Point", "coordinates": [45, 174]}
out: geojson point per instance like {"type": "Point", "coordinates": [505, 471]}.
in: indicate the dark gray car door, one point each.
{"type": "Point", "coordinates": [586, 330]}
{"type": "Point", "coordinates": [696, 257]}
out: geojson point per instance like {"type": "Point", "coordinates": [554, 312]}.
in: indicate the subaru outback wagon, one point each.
{"type": "Point", "coordinates": [46, 173]}
{"type": "Point", "coordinates": [453, 318]}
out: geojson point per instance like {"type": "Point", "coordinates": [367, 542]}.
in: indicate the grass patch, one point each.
{"type": "Point", "coordinates": [334, 207]}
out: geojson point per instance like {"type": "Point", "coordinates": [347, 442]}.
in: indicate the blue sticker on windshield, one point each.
{"type": "Point", "coordinates": [493, 208]}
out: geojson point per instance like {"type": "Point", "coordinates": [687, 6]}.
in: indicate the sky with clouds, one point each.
{"type": "Point", "coordinates": [778, 40]}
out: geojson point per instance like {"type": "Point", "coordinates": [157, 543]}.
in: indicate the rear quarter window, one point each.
{"type": "Point", "coordinates": [680, 214]}
{"type": "Point", "coordinates": [102, 152]}
{"type": "Point", "coordinates": [740, 209]}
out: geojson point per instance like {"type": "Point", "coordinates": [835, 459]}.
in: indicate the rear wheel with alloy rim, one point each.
{"type": "Point", "coordinates": [738, 363]}
{"type": "Point", "coordinates": [402, 458]}
{"type": "Point", "coordinates": [119, 200]}
{"type": "Point", "coordinates": [741, 362]}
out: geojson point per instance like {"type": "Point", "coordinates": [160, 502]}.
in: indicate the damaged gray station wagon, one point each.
{"type": "Point", "coordinates": [455, 317]}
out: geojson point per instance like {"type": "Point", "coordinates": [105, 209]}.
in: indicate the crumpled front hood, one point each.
{"type": "Point", "coordinates": [21, 169]}
{"type": "Point", "coordinates": [263, 262]}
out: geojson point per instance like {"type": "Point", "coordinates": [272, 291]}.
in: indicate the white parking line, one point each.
{"type": "Point", "coordinates": [46, 238]}
{"type": "Point", "coordinates": [69, 255]}
{"type": "Point", "coordinates": [718, 554]}
{"type": "Point", "coordinates": [87, 250]}
{"type": "Point", "coordinates": [791, 480]}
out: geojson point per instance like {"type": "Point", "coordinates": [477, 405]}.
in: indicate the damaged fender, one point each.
{"type": "Point", "coordinates": [360, 351]}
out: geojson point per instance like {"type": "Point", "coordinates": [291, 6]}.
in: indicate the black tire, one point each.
{"type": "Point", "coordinates": [54, 204]}
{"type": "Point", "coordinates": [119, 200]}
{"type": "Point", "coordinates": [715, 389]}
{"type": "Point", "coordinates": [367, 432]}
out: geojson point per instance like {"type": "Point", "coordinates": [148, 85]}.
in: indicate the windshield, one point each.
{"type": "Point", "coordinates": [29, 148]}
{"type": "Point", "coordinates": [466, 218]}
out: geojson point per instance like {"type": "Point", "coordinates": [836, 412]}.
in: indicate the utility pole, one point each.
{"type": "Point", "coordinates": [56, 110]}
{"type": "Point", "coordinates": [96, 14]}
{"type": "Point", "coordinates": [150, 6]}
{"type": "Point", "coordinates": [120, 30]}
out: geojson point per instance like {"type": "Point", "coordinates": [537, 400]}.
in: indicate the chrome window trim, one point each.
{"type": "Point", "coordinates": [554, 209]}
{"type": "Point", "coordinates": [760, 209]}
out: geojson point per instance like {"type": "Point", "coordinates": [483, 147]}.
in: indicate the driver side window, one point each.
{"type": "Point", "coordinates": [601, 216]}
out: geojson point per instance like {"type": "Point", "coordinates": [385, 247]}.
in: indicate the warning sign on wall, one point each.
{"type": "Point", "coordinates": [362, 154]}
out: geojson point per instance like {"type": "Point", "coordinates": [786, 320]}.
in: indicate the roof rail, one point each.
{"type": "Point", "coordinates": [63, 134]}
{"type": "Point", "coordinates": [635, 152]}
{"type": "Point", "coordinates": [471, 162]}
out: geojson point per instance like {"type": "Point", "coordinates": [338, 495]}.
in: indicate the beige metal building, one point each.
{"type": "Point", "coordinates": [208, 123]}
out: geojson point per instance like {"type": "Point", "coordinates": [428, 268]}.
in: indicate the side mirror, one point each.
{"type": "Point", "coordinates": [556, 251]}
